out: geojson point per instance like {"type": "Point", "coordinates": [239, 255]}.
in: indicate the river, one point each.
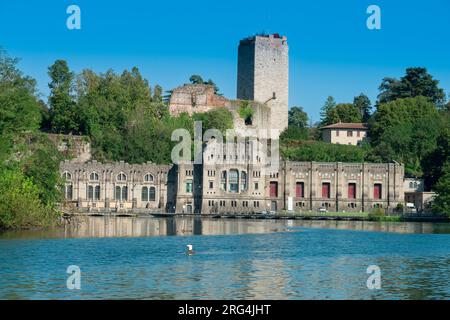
{"type": "Point", "coordinates": [145, 258]}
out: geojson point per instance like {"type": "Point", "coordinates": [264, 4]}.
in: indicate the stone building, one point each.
{"type": "Point", "coordinates": [245, 175]}
{"type": "Point", "coordinates": [263, 75]}
{"type": "Point", "coordinates": [119, 186]}
{"type": "Point", "coordinates": [345, 133]}
{"type": "Point", "coordinates": [262, 79]}
{"type": "Point", "coordinates": [195, 98]}
{"type": "Point", "coordinates": [248, 183]}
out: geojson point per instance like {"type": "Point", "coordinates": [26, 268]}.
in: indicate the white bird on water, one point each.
{"type": "Point", "coordinates": [190, 250]}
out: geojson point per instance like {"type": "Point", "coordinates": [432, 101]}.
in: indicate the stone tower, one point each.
{"type": "Point", "coordinates": [263, 75]}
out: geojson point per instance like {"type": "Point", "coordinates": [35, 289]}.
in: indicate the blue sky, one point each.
{"type": "Point", "coordinates": [331, 50]}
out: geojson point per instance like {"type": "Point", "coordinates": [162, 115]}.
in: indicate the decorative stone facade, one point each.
{"type": "Point", "coordinates": [115, 187]}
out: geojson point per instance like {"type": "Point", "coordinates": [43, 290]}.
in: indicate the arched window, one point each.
{"type": "Point", "coordinates": [125, 193]}
{"type": "Point", "coordinates": [121, 177]}
{"type": "Point", "coordinates": [90, 193]}
{"type": "Point", "coordinates": [67, 176]}
{"type": "Point", "coordinates": [93, 176]}
{"type": "Point", "coordinates": [152, 194]}
{"type": "Point", "coordinates": [97, 193]}
{"type": "Point", "coordinates": [117, 193]}
{"type": "Point", "coordinates": [144, 195]}
{"type": "Point", "coordinates": [234, 181]}
{"type": "Point", "coordinates": [411, 185]}
{"type": "Point", "coordinates": [69, 192]}
{"type": "Point", "coordinates": [148, 177]}
{"type": "Point", "coordinates": [243, 181]}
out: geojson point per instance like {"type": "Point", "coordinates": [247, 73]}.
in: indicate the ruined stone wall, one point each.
{"type": "Point", "coordinates": [75, 148]}
{"type": "Point", "coordinates": [195, 98]}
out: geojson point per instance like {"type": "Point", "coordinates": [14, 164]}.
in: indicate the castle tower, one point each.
{"type": "Point", "coordinates": [263, 75]}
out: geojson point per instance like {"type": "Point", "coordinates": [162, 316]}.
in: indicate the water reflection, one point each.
{"type": "Point", "coordinates": [306, 260]}
{"type": "Point", "coordinates": [108, 227]}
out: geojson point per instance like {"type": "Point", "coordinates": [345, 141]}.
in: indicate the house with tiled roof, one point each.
{"type": "Point", "coordinates": [345, 133]}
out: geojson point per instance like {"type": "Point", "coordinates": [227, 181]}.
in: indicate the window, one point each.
{"type": "Point", "coordinates": [256, 185]}
{"type": "Point", "coordinates": [90, 193]}
{"type": "Point", "coordinates": [377, 189]}
{"type": "Point", "coordinates": [97, 193]}
{"type": "Point", "coordinates": [243, 181]}
{"type": "Point", "coordinates": [117, 193]}
{"type": "Point", "coordinates": [349, 133]}
{"type": "Point", "coordinates": [148, 194]}
{"type": "Point", "coordinates": [69, 192]}
{"type": "Point", "coordinates": [211, 184]}
{"type": "Point", "coordinates": [152, 194]}
{"type": "Point", "coordinates": [121, 193]}
{"type": "Point", "coordinates": [124, 193]}
{"type": "Point", "coordinates": [337, 133]}
{"type": "Point", "coordinates": [234, 181]}
{"type": "Point", "coordinates": [144, 194]}
{"type": "Point", "coordinates": [121, 177]}
{"type": "Point", "coordinates": [300, 190]}
{"type": "Point", "coordinates": [93, 176]}
{"type": "Point", "coordinates": [148, 177]}
{"type": "Point", "coordinates": [67, 176]}
{"type": "Point", "coordinates": [189, 186]}
{"type": "Point", "coordinates": [273, 189]}
{"type": "Point", "coordinates": [358, 133]}
{"type": "Point", "coordinates": [351, 191]}
{"type": "Point", "coordinates": [223, 180]}
{"type": "Point", "coordinates": [326, 190]}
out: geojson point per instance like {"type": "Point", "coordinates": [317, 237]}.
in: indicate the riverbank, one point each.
{"type": "Point", "coordinates": [319, 216]}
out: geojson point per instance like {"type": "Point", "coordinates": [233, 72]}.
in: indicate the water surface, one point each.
{"type": "Point", "coordinates": [144, 258]}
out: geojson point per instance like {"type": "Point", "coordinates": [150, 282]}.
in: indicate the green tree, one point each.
{"type": "Point", "coordinates": [325, 111]}
{"type": "Point", "coordinates": [196, 79]}
{"type": "Point", "coordinates": [298, 117]}
{"type": "Point", "coordinates": [434, 162]}
{"type": "Point", "coordinates": [298, 126]}
{"type": "Point", "coordinates": [63, 111]}
{"type": "Point", "coordinates": [344, 112]}
{"type": "Point", "coordinates": [416, 82]}
{"type": "Point", "coordinates": [20, 206]}
{"type": "Point", "coordinates": [321, 151]}
{"type": "Point", "coordinates": [19, 107]}
{"type": "Point", "coordinates": [405, 130]}
{"type": "Point", "coordinates": [219, 118]}
{"type": "Point", "coordinates": [441, 203]}
{"type": "Point", "coordinates": [362, 103]}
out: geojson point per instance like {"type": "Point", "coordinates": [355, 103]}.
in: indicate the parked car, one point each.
{"type": "Point", "coordinates": [323, 210]}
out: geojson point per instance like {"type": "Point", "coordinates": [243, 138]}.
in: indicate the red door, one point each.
{"type": "Point", "coordinates": [299, 190]}
{"type": "Point", "coordinates": [352, 190]}
{"type": "Point", "coordinates": [325, 190]}
{"type": "Point", "coordinates": [377, 191]}
{"type": "Point", "coordinates": [274, 189]}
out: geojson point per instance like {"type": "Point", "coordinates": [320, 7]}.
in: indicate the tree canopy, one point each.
{"type": "Point", "coordinates": [416, 82]}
